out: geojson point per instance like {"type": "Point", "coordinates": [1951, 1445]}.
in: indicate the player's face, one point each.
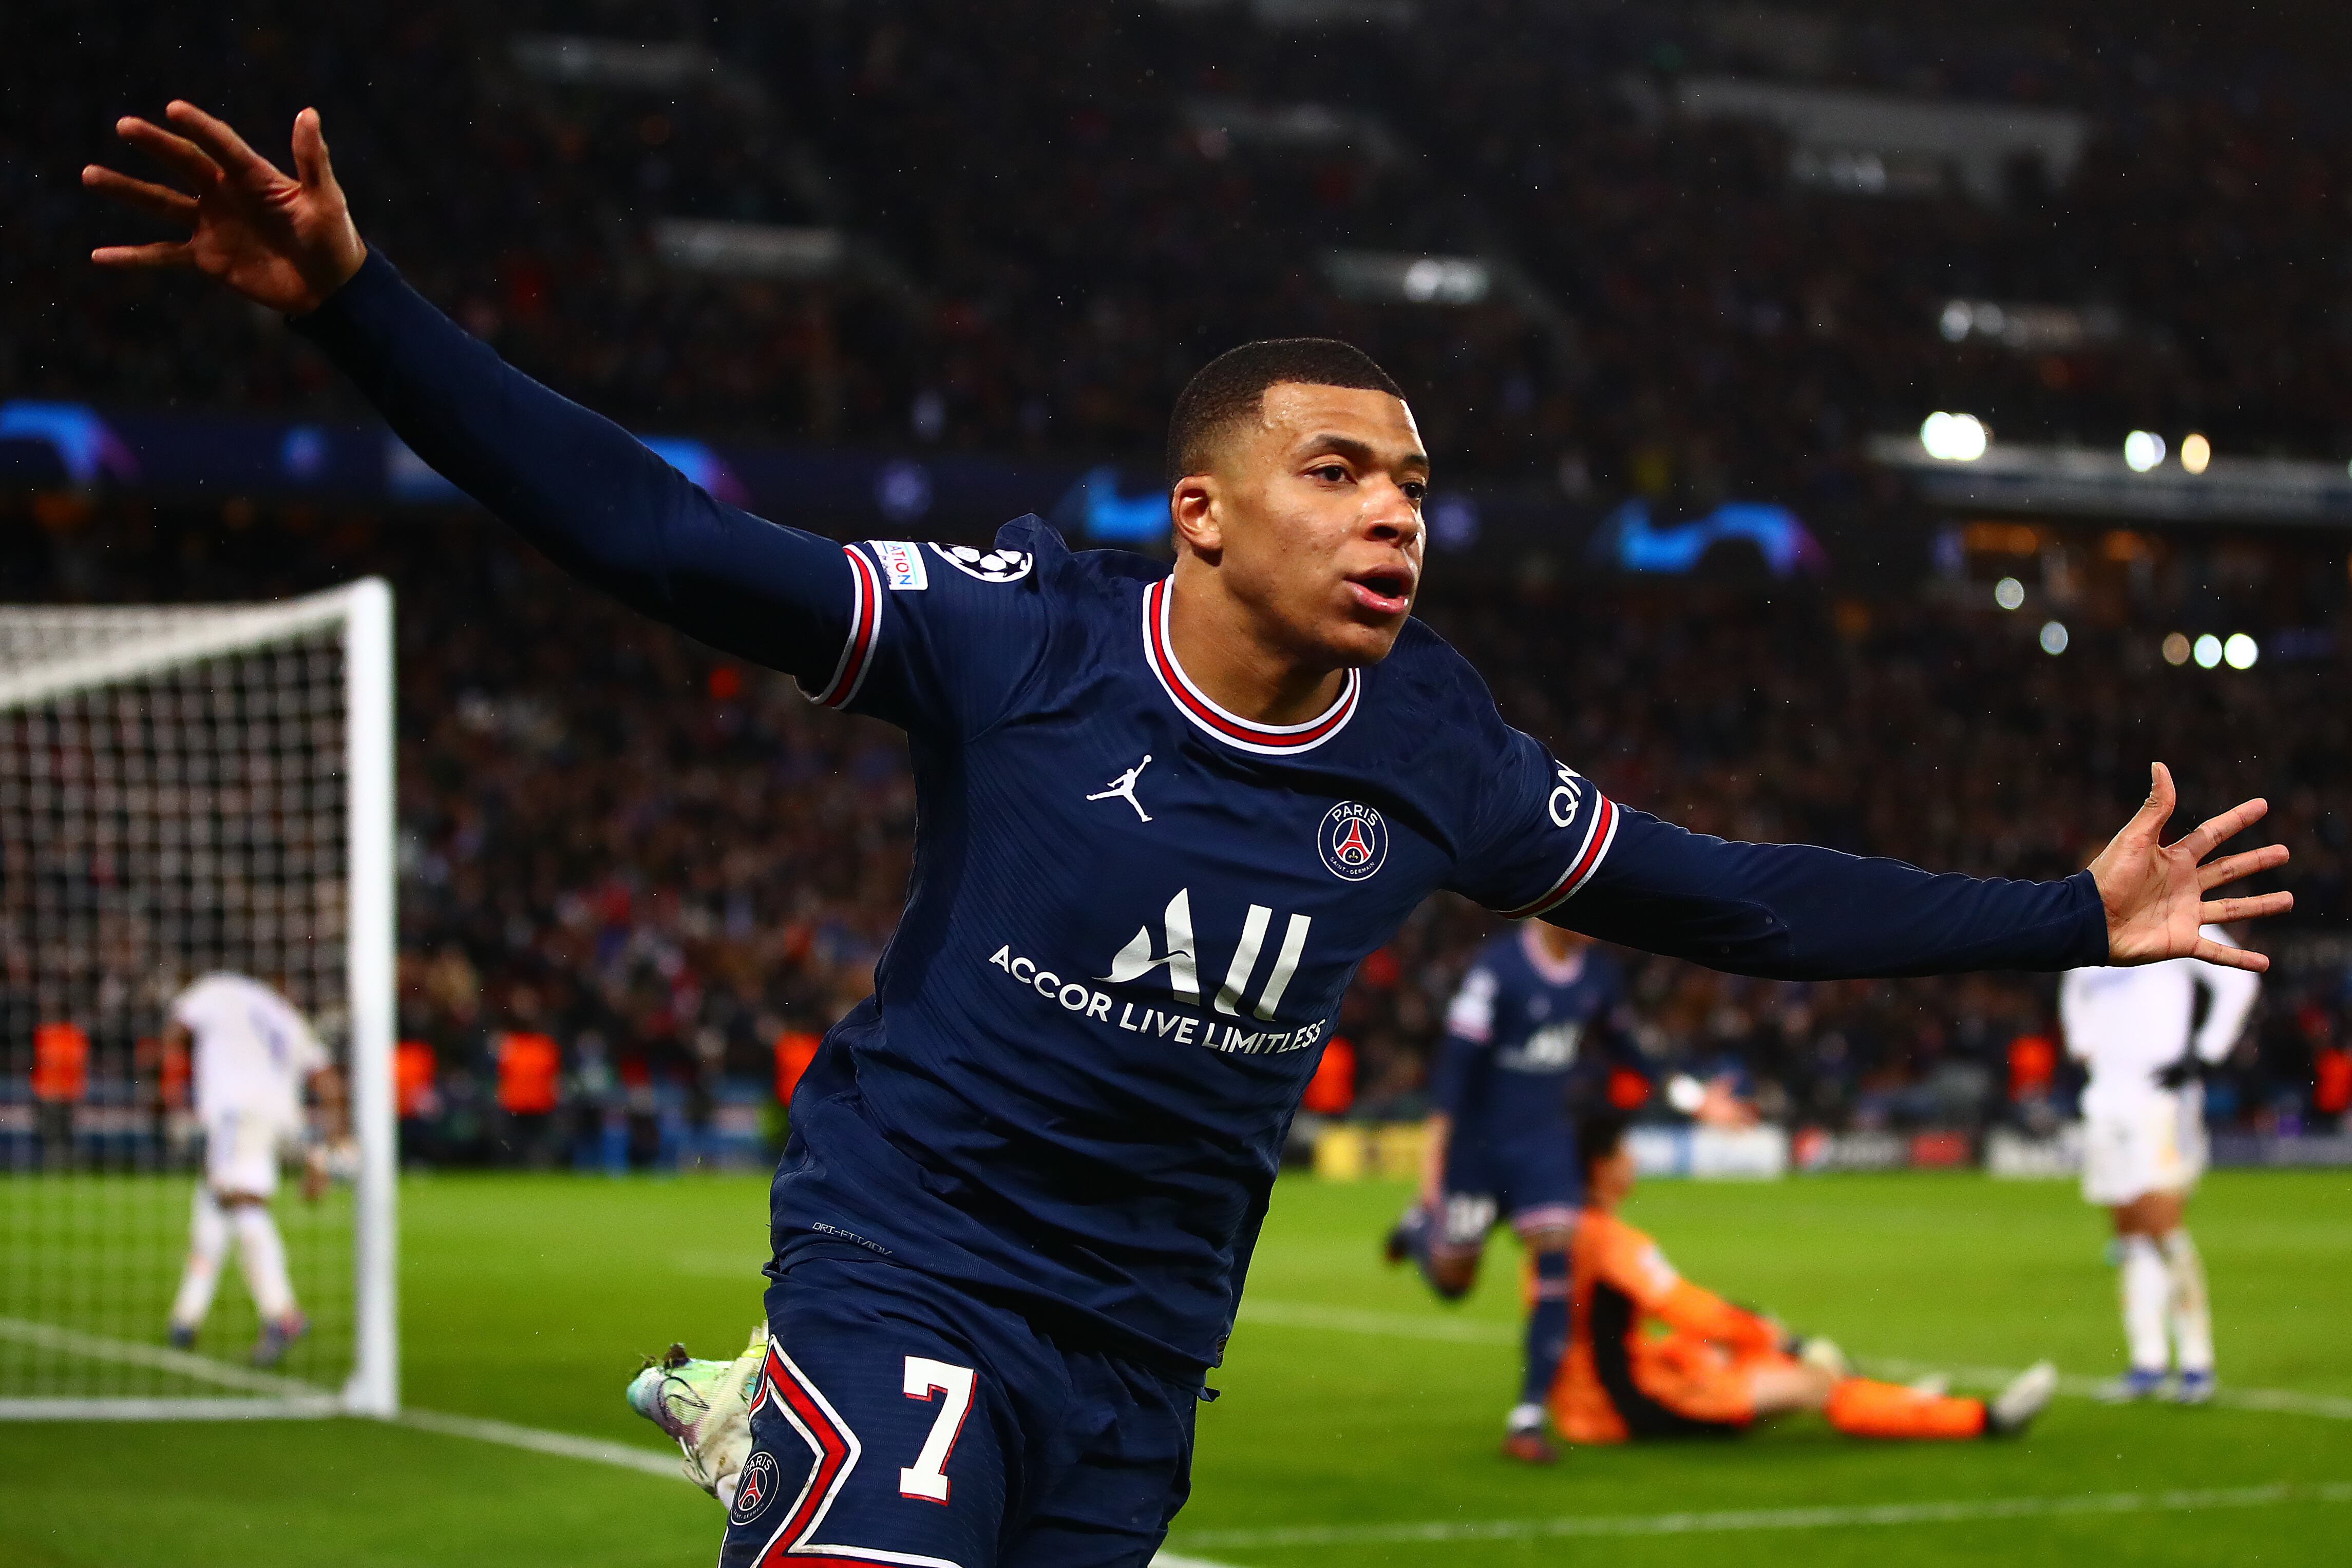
{"type": "Point", "coordinates": [1316, 514]}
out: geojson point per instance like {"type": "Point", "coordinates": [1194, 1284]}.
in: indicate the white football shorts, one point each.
{"type": "Point", "coordinates": [2156, 1144]}
{"type": "Point", "coordinates": [241, 1153]}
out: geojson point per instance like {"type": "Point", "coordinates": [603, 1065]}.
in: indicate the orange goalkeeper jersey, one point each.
{"type": "Point", "coordinates": [1624, 1377]}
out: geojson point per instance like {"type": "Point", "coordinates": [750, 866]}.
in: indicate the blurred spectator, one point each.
{"type": "Point", "coordinates": [670, 865]}
{"type": "Point", "coordinates": [681, 879]}
{"type": "Point", "coordinates": [1061, 210]}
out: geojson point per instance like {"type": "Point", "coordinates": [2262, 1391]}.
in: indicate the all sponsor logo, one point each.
{"type": "Point", "coordinates": [988, 566]}
{"type": "Point", "coordinates": [756, 1486]}
{"type": "Point", "coordinates": [1353, 840]}
{"type": "Point", "coordinates": [902, 565]}
{"type": "Point", "coordinates": [1551, 1050]}
{"type": "Point", "coordinates": [1198, 1016]}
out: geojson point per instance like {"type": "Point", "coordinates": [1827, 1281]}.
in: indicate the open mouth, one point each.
{"type": "Point", "coordinates": [1387, 592]}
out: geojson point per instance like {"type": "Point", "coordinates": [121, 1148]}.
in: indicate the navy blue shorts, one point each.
{"type": "Point", "coordinates": [1531, 1180]}
{"type": "Point", "coordinates": [901, 1421]}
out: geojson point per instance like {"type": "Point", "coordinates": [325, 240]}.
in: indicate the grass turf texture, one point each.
{"type": "Point", "coordinates": [528, 1300]}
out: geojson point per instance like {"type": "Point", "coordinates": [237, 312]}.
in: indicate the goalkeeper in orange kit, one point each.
{"type": "Point", "coordinates": [1716, 1369]}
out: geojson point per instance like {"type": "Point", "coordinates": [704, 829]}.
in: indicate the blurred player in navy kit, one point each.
{"type": "Point", "coordinates": [1162, 815]}
{"type": "Point", "coordinates": [1502, 1144]}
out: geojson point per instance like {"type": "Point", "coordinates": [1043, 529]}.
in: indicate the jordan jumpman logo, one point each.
{"type": "Point", "coordinates": [1123, 787]}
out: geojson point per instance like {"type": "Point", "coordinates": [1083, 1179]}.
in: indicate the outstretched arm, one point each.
{"type": "Point", "coordinates": [582, 488]}
{"type": "Point", "coordinates": [1796, 912]}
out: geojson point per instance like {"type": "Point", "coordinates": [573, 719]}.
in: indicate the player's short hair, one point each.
{"type": "Point", "coordinates": [1597, 1136]}
{"type": "Point", "coordinates": [1232, 387]}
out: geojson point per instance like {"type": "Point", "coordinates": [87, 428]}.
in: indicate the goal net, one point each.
{"type": "Point", "coordinates": [186, 792]}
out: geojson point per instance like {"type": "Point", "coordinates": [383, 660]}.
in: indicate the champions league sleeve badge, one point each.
{"type": "Point", "coordinates": [1353, 840]}
{"type": "Point", "coordinates": [988, 566]}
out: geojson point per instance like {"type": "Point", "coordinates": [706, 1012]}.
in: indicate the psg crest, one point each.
{"type": "Point", "coordinates": [755, 1488]}
{"type": "Point", "coordinates": [1354, 840]}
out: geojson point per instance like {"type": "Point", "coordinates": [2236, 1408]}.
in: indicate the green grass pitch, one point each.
{"type": "Point", "coordinates": [1350, 1400]}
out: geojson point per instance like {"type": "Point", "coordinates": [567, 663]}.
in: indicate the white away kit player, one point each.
{"type": "Point", "coordinates": [2144, 1145]}
{"type": "Point", "coordinates": [252, 1055]}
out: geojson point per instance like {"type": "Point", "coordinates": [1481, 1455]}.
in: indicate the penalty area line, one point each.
{"type": "Point", "coordinates": [1734, 1521]}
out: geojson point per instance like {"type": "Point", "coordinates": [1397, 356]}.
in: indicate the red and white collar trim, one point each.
{"type": "Point", "coordinates": [1266, 740]}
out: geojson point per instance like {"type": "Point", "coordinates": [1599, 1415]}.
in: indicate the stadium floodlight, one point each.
{"type": "Point", "coordinates": [2008, 593]}
{"type": "Point", "coordinates": [2143, 450]}
{"type": "Point", "coordinates": [2054, 637]}
{"type": "Point", "coordinates": [2196, 453]}
{"type": "Point", "coordinates": [187, 790]}
{"type": "Point", "coordinates": [2240, 651]}
{"type": "Point", "coordinates": [2176, 649]}
{"type": "Point", "coordinates": [2208, 651]}
{"type": "Point", "coordinates": [1954, 437]}
{"type": "Point", "coordinates": [1392, 277]}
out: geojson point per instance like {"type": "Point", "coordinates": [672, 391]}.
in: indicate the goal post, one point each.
{"type": "Point", "coordinates": [184, 790]}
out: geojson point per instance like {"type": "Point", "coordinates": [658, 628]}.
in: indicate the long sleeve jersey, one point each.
{"type": "Point", "coordinates": [1133, 913]}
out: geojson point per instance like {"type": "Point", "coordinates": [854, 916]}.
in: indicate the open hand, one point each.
{"type": "Point", "coordinates": [2155, 893]}
{"type": "Point", "coordinates": [285, 241]}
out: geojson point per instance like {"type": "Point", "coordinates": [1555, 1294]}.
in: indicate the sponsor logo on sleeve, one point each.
{"type": "Point", "coordinates": [1353, 840]}
{"type": "Point", "coordinates": [1567, 796]}
{"type": "Point", "coordinates": [902, 565]}
{"type": "Point", "coordinates": [988, 566]}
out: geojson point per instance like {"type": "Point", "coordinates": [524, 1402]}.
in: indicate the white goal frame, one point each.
{"type": "Point", "coordinates": [362, 612]}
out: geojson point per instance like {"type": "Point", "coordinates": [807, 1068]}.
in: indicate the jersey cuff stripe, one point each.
{"type": "Point", "coordinates": [1597, 839]}
{"type": "Point", "coordinates": [1267, 740]}
{"type": "Point", "coordinates": [865, 624]}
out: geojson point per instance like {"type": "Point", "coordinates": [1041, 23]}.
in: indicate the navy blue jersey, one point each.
{"type": "Point", "coordinates": [1519, 1027]}
{"type": "Point", "coordinates": [1132, 914]}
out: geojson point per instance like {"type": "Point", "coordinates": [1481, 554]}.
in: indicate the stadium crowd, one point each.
{"type": "Point", "coordinates": [1056, 220]}
{"type": "Point", "coordinates": [666, 864]}
{"type": "Point", "coordinates": [675, 869]}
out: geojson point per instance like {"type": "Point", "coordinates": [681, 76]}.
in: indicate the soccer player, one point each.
{"type": "Point", "coordinates": [2143, 1145]}
{"type": "Point", "coordinates": [253, 1056]}
{"type": "Point", "coordinates": [1500, 1140]}
{"type": "Point", "coordinates": [1717, 1369]}
{"type": "Point", "coordinates": [1025, 1176]}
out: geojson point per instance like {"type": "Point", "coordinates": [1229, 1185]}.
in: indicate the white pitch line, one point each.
{"type": "Point", "coordinates": [565, 1445]}
{"type": "Point", "coordinates": [281, 1396]}
{"type": "Point", "coordinates": [562, 1445]}
{"type": "Point", "coordinates": [277, 1396]}
{"type": "Point", "coordinates": [1472, 1331]}
{"type": "Point", "coordinates": [159, 1358]}
{"type": "Point", "coordinates": [1733, 1521]}
{"type": "Point", "coordinates": [317, 1407]}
